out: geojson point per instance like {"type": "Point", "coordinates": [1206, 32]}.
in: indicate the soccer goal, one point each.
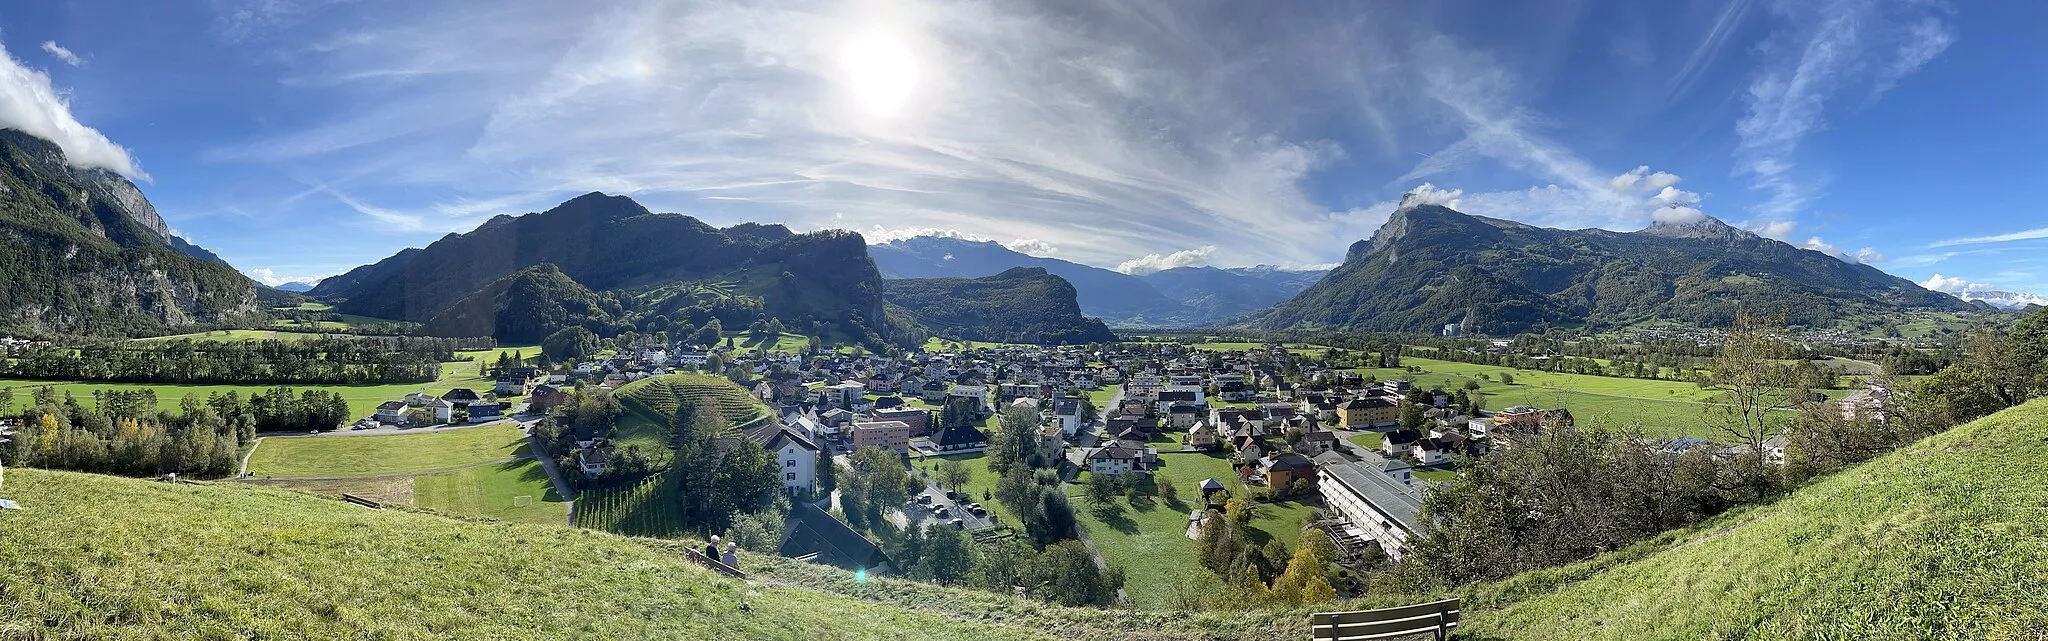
{"type": "Point", "coordinates": [522, 501]}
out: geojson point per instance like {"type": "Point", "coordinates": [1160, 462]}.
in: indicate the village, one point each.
{"type": "Point", "coordinates": [1342, 452]}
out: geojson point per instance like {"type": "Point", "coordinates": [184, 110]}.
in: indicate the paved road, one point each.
{"type": "Point", "coordinates": [540, 453]}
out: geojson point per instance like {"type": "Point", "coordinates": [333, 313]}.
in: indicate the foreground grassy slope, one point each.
{"type": "Point", "coordinates": [1946, 539]}
{"type": "Point", "coordinates": [108, 558]}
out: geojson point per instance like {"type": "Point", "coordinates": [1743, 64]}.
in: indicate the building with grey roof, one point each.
{"type": "Point", "coordinates": [1373, 506]}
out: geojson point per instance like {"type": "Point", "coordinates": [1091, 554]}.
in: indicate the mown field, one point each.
{"type": "Point", "coordinates": [517, 490]}
{"type": "Point", "coordinates": [362, 399]}
{"type": "Point", "coordinates": [97, 557]}
{"type": "Point", "coordinates": [344, 455]}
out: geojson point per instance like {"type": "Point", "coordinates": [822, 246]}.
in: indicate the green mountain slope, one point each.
{"type": "Point", "coordinates": [1020, 305]}
{"type": "Point", "coordinates": [524, 308]}
{"type": "Point", "coordinates": [1429, 266]}
{"type": "Point", "coordinates": [96, 557]}
{"type": "Point", "coordinates": [1946, 539]}
{"type": "Point", "coordinates": [612, 243]}
{"type": "Point", "coordinates": [82, 251]}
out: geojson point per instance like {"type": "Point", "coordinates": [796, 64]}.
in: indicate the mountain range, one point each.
{"type": "Point", "coordinates": [1178, 297]}
{"type": "Point", "coordinates": [83, 252]}
{"type": "Point", "coordinates": [665, 265]}
{"type": "Point", "coordinates": [1430, 266]}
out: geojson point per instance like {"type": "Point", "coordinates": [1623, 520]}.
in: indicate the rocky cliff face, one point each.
{"type": "Point", "coordinates": [82, 251]}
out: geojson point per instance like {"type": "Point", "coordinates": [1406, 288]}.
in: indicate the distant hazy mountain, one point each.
{"type": "Point", "coordinates": [1222, 293]}
{"type": "Point", "coordinates": [299, 286]}
{"type": "Point", "coordinates": [1019, 305]}
{"type": "Point", "coordinates": [1113, 296]}
{"type": "Point", "coordinates": [1179, 297]}
{"type": "Point", "coordinates": [1429, 266]}
{"type": "Point", "coordinates": [83, 252]}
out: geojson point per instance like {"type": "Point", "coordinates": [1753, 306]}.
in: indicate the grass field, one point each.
{"type": "Point", "coordinates": [339, 455]}
{"type": "Point", "coordinates": [362, 399]}
{"type": "Point", "coordinates": [936, 344]}
{"type": "Point", "coordinates": [783, 344]}
{"type": "Point", "coordinates": [1663, 408]}
{"type": "Point", "coordinates": [97, 557]}
{"type": "Point", "coordinates": [1945, 539]}
{"type": "Point", "coordinates": [494, 491]}
{"type": "Point", "coordinates": [237, 335]}
{"type": "Point", "coordinates": [1149, 539]}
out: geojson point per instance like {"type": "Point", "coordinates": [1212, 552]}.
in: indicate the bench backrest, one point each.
{"type": "Point", "coordinates": [1440, 617]}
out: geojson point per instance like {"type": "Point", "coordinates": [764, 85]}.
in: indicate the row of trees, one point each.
{"type": "Point", "coordinates": [356, 360]}
{"type": "Point", "coordinates": [126, 434]}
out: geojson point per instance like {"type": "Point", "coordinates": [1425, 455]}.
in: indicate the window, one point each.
{"type": "Point", "coordinates": [789, 462]}
{"type": "Point", "coordinates": [789, 477]}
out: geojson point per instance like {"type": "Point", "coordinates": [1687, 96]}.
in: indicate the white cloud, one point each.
{"type": "Point", "coordinates": [1155, 262]}
{"type": "Point", "coordinates": [1678, 215]}
{"type": "Point", "coordinates": [1826, 48]}
{"type": "Point", "coordinates": [1868, 255]}
{"type": "Point", "coordinates": [29, 102]}
{"type": "Point", "coordinates": [1971, 291]}
{"type": "Point", "coordinates": [1032, 246]}
{"type": "Point", "coordinates": [61, 53]}
{"type": "Point", "coordinates": [879, 235]}
{"type": "Point", "coordinates": [1428, 194]}
{"type": "Point", "coordinates": [270, 277]}
{"type": "Point", "coordinates": [2030, 234]}
{"type": "Point", "coordinates": [1772, 229]}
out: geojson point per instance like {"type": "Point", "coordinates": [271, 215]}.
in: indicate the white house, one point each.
{"type": "Point", "coordinates": [796, 458]}
{"type": "Point", "coordinates": [1113, 460]}
{"type": "Point", "coordinates": [1068, 412]}
{"type": "Point", "coordinates": [391, 412]}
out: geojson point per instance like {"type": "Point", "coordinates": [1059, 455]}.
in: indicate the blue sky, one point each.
{"type": "Point", "coordinates": [299, 138]}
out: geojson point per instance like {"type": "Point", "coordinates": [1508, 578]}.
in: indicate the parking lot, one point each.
{"type": "Point", "coordinates": [952, 509]}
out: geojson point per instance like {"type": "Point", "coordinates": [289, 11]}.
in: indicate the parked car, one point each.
{"type": "Point", "coordinates": [959, 524]}
{"type": "Point", "coordinates": [924, 499]}
{"type": "Point", "coordinates": [941, 511]}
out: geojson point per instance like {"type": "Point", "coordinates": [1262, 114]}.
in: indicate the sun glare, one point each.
{"type": "Point", "coordinates": [880, 72]}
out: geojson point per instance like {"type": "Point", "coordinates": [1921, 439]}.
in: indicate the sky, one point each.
{"type": "Point", "coordinates": [300, 138]}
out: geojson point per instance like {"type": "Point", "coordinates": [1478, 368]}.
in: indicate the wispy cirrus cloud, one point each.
{"type": "Point", "coordinates": [1824, 52]}
{"type": "Point", "coordinates": [2030, 234]}
{"type": "Point", "coordinates": [59, 52]}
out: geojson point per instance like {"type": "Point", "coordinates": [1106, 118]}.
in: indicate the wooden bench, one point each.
{"type": "Point", "coordinates": [714, 564]}
{"type": "Point", "coordinates": [362, 501]}
{"type": "Point", "coordinates": [1440, 618]}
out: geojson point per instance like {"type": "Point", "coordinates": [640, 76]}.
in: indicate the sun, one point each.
{"type": "Point", "coordinates": [879, 71]}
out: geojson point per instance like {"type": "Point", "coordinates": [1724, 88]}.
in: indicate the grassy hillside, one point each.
{"type": "Point", "coordinates": [108, 558]}
{"type": "Point", "coordinates": [1946, 539]}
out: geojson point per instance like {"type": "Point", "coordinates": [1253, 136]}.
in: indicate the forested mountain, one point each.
{"type": "Point", "coordinates": [1429, 266]}
{"type": "Point", "coordinates": [821, 283]}
{"type": "Point", "coordinates": [1179, 297]}
{"type": "Point", "coordinates": [82, 251]}
{"type": "Point", "coordinates": [525, 307]}
{"type": "Point", "coordinates": [1020, 305]}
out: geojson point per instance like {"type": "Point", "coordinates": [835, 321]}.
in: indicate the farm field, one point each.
{"type": "Point", "coordinates": [494, 491]}
{"type": "Point", "coordinates": [338, 455]}
{"type": "Point", "coordinates": [1149, 539]}
{"type": "Point", "coordinates": [936, 344]}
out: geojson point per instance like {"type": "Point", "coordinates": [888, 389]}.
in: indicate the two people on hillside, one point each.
{"type": "Point", "coordinates": [731, 557]}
